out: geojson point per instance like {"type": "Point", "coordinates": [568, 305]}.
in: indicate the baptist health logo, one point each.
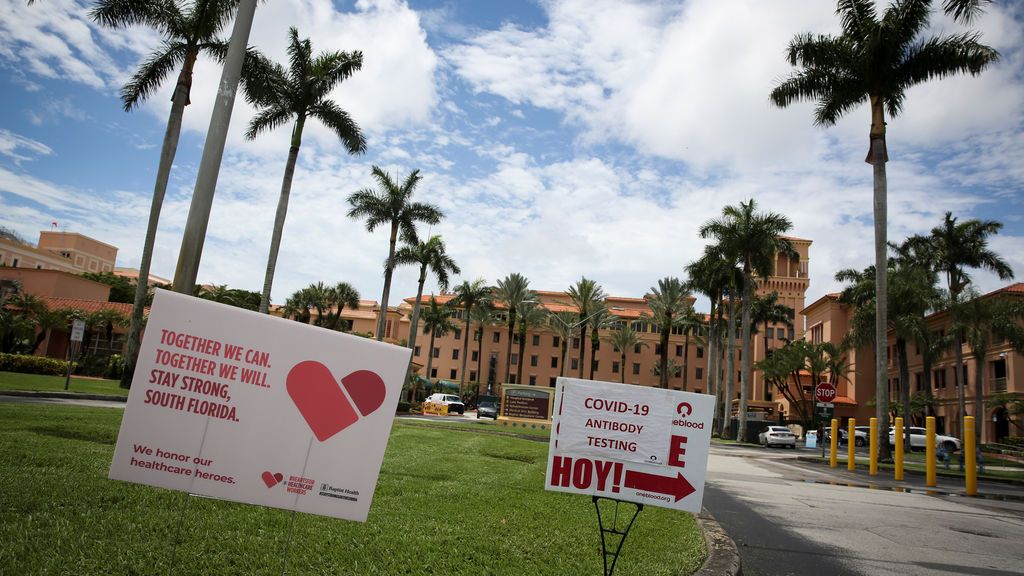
{"type": "Point", "coordinates": [684, 409]}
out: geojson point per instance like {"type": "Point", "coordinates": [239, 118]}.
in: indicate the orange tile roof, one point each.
{"type": "Point", "coordinates": [88, 306]}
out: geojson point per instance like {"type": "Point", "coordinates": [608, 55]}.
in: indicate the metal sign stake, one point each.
{"type": "Point", "coordinates": [612, 532]}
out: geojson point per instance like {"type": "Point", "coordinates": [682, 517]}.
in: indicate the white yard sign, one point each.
{"type": "Point", "coordinates": [633, 443]}
{"type": "Point", "coordinates": [247, 407]}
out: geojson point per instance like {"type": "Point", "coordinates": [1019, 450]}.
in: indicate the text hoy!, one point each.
{"type": "Point", "coordinates": [583, 473]}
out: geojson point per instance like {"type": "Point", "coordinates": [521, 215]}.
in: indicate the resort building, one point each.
{"type": "Point", "coordinates": [65, 251]}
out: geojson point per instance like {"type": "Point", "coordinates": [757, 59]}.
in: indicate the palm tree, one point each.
{"type": "Point", "coordinates": [710, 275]}
{"type": "Point", "coordinates": [300, 92]}
{"type": "Point", "coordinates": [875, 60]}
{"type": "Point", "coordinates": [587, 295]}
{"type": "Point", "coordinates": [623, 339]}
{"type": "Point", "coordinates": [513, 291]}
{"type": "Point", "coordinates": [692, 326]}
{"type": "Point", "coordinates": [392, 205]}
{"type": "Point", "coordinates": [754, 238]}
{"type": "Point", "coordinates": [668, 302]}
{"type": "Point", "coordinates": [483, 315]}
{"type": "Point", "coordinates": [437, 321]}
{"type": "Point", "coordinates": [188, 29]}
{"type": "Point", "coordinates": [469, 295]}
{"type": "Point", "coordinates": [429, 255]}
{"type": "Point", "coordinates": [531, 315]}
{"type": "Point", "coordinates": [980, 319]}
{"type": "Point", "coordinates": [336, 298]}
{"type": "Point", "coordinates": [562, 323]}
{"type": "Point", "coordinates": [767, 310]}
{"type": "Point", "coordinates": [953, 248]}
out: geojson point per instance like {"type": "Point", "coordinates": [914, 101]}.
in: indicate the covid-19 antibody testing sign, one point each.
{"type": "Point", "coordinates": [632, 443]}
{"type": "Point", "coordinates": [241, 406]}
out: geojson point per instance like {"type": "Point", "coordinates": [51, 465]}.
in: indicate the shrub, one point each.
{"type": "Point", "coordinates": [91, 365]}
{"type": "Point", "coordinates": [32, 365]}
{"type": "Point", "coordinates": [115, 367]}
{"type": "Point", "coordinates": [403, 407]}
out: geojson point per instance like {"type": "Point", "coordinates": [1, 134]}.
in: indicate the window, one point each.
{"type": "Point", "coordinates": [700, 352]}
{"type": "Point", "coordinates": [615, 367]}
{"type": "Point", "coordinates": [817, 333]}
{"type": "Point", "coordinates": [14, 263]}
{"type": "Point", "coordinates": [575, 364]}
{"type": "Point", "coordinates": [636, 367]}
{"type": "Point", "coordinates": [636, 349]}
{"type": "Point", "coordinates": [536, 339]}
{"type": "Point", "coordinates": [790, 333]}
{"type": "Point", "coordinates": [453, 373]}
{"type": "Point", "coordinates": [781, 332]}
{"type": "Point", "coordinates": [416, 351]}
{"type": "Point", "coordinates": [497, 336]}
{"type": "Point", "coordinates": [515, 359]}
{"type": "Point", "coordinates": [437, 352]}
{"type": "Point", "coordinates": [554, 361]}
{"type": "Point", "coordinates": [515, 338]}
{"type": "Point", "coordinates": [511, 378]}
{"type": "Point", "coordinates": [533, 360]}
{"type": "Point", "coordinates": [575, 343]}
{"type": "Point", "coordinates": [472, 375]}
{"type": "Point", "coordinates": [556, 342]}
{"type": "Point", "coordinates": [679, 349]}
{"type": "Point", "coordinates": [458, 333]}
{"type": "Point", "coordinates": [551, 381]}
{"type": "Point", "coordinates": [700, 374]}
{"type": "Point", "coordinates": [533, 380]}
{"type": "Point", "coordinates": [917, 382]}
{"type": "Point", "coordinates": [455, 353]}
{"type": "Point", "coordinates": [769, 334]}
{"type": "Point", "coordinates": [433, 372]}
{"type": "Point", "coordinates": [940, 378]}
{"type": "Point", "coordinates": [657, 349]}
{"type": "Point", "coordinates": [474, 356]}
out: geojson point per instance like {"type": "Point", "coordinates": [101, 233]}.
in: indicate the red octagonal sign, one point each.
{"type": "Point", "coordinates": [825, 392]}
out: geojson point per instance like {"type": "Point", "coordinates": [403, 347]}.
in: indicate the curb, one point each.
{"type": "Point", "coordinates": [906, 471]}
{"type": "Point", "coordinates": [64, 395]}
{"type": "Point", "coordinates": [723, 558]}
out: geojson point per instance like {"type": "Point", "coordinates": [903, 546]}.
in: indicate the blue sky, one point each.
{"type": "Point", "coordinates": [561, 137]}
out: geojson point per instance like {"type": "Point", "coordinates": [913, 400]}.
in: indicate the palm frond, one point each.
{"type": "Point", "coordinates": [965, 11]}
{"type": "Point", "coordinates": [266, 120]}
{"type": "Point", "coordinates": [939, 57]}
{"type": "Point", "coordinates": [857, 17]}
{"type": "Point", "coordinates": [343, 126]}
{"type": "Point", "coordinates": [162, 15]}
{"type": "Point", "coordinates": [152, 73]}
{"type": "Point", "coordinates": [329, 68]}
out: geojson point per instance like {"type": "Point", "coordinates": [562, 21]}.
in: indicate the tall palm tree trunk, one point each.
{"type": "Point", "coordinates": [979, 391]}
{"type": "Point", "coordinates": [663, 361]}
{"type": "Point", "coordinates": [282, 212]}
{"type": "Point", "coordinates": [583, 347]}
{"type": "Point", "coordinates": [565, 356]}
{"type": "Point", "coordinates": [163, 173]}
{"type": "Point", "coordinates": [414, 327]}
{"type": "Point", "coordinates": [713, 357]}
{"type": "Point", "coordinates": [622, 367]}
{"type": "Point", "coordinates": [879, 157]}
{"type": "Point", "coordinates": [730, 368]}
{"type": "Point", "coordinates": [480, 359]}
{"type": "Point", "coordinates": [594, 342]}
{"type": "Point", "coordinates": [522, 355]}
{"type": "Point", "coordinates": [430, 354]}
{"type": "Point", "coordinates": [508, 347]}
{"type": "Point", "coordinates": [389, 268]}
{"type": "Point", "coordinates": [686, 360]}
{"type": "Point", "coordinates": [958, 378]}
{"type": "Point", "coordinates": [465, 354]}
{"type": "Point", "coordinates": [901, 355]}
{"type": "Point", "coordinates": [748, 293]}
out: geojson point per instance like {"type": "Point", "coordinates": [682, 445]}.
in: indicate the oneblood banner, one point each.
{"type": "Point", "coordinates": [242, 406]}
{"type": "Point", "coordinates": [632, 443]}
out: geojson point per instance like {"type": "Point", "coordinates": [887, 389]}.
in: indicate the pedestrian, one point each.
{"type": "Point", "coordinates": [943, 456]}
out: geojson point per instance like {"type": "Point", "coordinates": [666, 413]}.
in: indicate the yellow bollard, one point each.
{"type": "Point", "coordinates": [970, 458]}
{"type": "Point", "coordinates": [851, 460]}
{"type": "Point", "coordinates": [873, 446]}
{"type": "Point", "coordinates": [929, 451]}
{"type": "Point", "coordinates": [833, 459]}
{"type": "Point", "coordinates": [898, 440]}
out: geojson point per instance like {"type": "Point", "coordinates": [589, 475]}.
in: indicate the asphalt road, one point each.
{"type": "Point", "coordinates": [789, 517]}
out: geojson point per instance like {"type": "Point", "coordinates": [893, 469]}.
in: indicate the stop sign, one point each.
{"type": "Point", "coordinates": [825, 392]}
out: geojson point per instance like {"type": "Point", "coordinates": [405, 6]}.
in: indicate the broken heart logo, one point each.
{"type": "Point", "coordinates": [324, 405]}
{"type": "Point", "coordinates": [272, 479]}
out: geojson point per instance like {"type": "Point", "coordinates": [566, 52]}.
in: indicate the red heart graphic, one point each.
{"type": "Point", "coordinates": [322, 402]}
{"type": "Point", "coordinates": [271, 480]}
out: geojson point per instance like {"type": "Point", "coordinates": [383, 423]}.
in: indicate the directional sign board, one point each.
{"type": "Point", "coordinates": [632, 443]}
{"type": "Point", "coordinates": [252, 408]}
{"type": "Point", "coordinates": [77, 330]}
{"type": "Point", "coordinates": [825, 393]}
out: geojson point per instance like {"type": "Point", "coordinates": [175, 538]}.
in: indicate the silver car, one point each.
{"type": "Point", "coordinates": [918, 438]}
{"type": "Point", "coordinates": [777, 436]}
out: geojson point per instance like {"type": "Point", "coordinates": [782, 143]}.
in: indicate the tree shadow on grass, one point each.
{"type": "Point", "coordinates": [96, 436]}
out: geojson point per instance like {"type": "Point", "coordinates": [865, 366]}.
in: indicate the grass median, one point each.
{"type": "Point", "coordinates": [447, 502]}
{"type": "Point", "coordinates": [41, 383]}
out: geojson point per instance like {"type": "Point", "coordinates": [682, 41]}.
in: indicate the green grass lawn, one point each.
{"type": "Point", "coordinates": [448, 502]}
{"type": "Point", "coordinates": [38, 382]}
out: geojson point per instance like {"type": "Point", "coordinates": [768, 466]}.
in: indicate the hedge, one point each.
{"type": "Point", "coordinates": [32, 365]}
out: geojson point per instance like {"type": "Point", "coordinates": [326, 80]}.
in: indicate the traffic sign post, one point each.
{"type": "Point", "coordinates": [824, 395]}
{"type": "Point", "coordinates": [77, 333]}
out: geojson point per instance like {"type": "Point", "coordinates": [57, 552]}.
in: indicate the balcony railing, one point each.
{"type": "Point", "coordinates": [999, 384]}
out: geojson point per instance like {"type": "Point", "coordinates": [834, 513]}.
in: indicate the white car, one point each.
{"type": "Point", "coordinates": [777, 436]}
{"type": "Point", "coordinates": [450, 400]}
{"type": "Point", "coordinates": [918, 438]}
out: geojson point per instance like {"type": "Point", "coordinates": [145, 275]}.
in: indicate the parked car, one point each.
{"type": "Point", "coordinates": [860, 435]}
{"type": "Point", "coordinates": [777, 436]}
{"type": "Point", "coordinates": [450, 400]}
{"type": "Point", "coordinates": [918, 439]}
{"type": "Point", "coordinates": [487, 409]}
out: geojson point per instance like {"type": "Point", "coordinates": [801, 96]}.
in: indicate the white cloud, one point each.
{"type": "Point", "coordinates": [10, 143]}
